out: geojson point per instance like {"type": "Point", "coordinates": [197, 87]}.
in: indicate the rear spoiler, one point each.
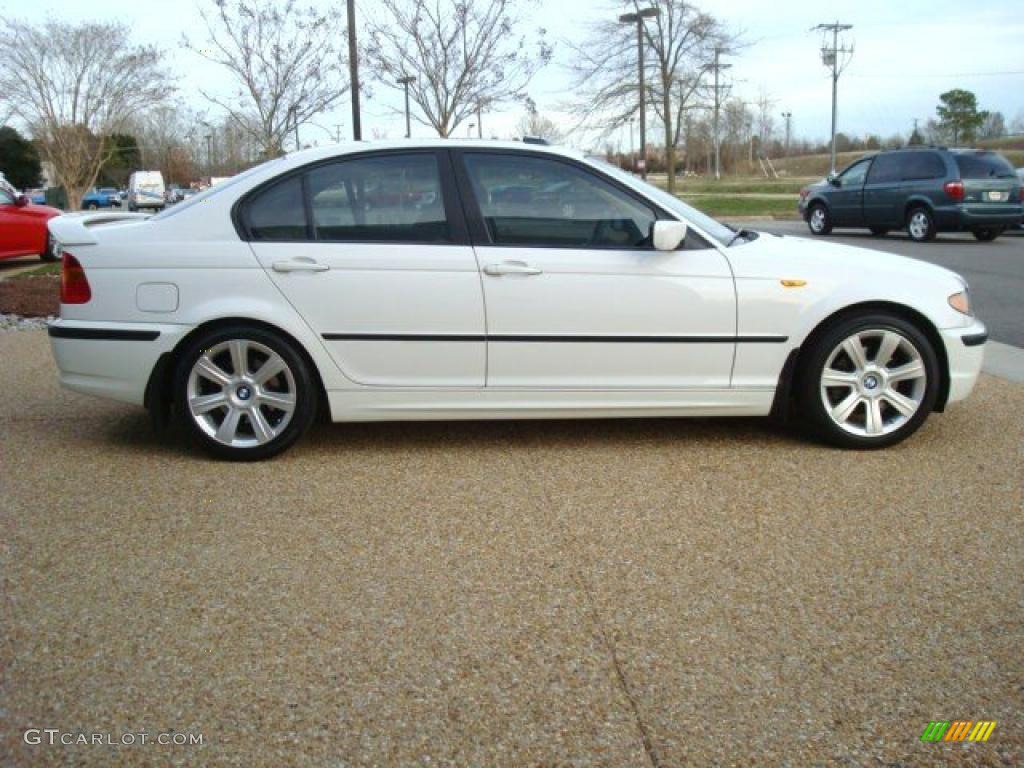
{"type": "Point", "coordinates": [73, 228]}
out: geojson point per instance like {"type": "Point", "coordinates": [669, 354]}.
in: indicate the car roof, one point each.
{"type": "Point", "coordinates": [313, 154]}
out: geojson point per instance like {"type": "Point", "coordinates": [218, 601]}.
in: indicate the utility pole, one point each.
{"type": "Point", "coordinates": [632, 151]}
{"type": "Point", "coordinates": [337, 132]}
{"type": "Point", "coordinates": [638, 19]}
{"type": "Point", "coordinates": [718, 67]}
{"type": "Point", "coordinates": [479, 122]}
{"type": "Point", "coordinates": [788, 117]}
{"type": "Point", "coordinates": [353, 69]}
{"type": "Point", "coordinates": [830, 57]}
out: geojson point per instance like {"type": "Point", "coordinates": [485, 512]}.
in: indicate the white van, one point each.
{"type": "Point", "coordinates": [146, 190]}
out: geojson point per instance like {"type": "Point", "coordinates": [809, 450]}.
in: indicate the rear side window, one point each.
{"type": "Point", "coordinates": [278, 212]}
{"type": "Point", "coordinates": [923, 165]}
{"type": "Point", "coordinates": [397, 198]}
{"type": "Point", "coordinates": [886, 168]}
{"type": "Point", "coordinates": [544, 202]}
{"type": "Point", "coordinates": [984, 165]}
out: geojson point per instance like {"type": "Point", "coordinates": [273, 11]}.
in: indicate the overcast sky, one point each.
{"type": "Point", "coordinates": [907, 53]}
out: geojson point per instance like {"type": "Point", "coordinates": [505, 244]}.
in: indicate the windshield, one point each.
{"type": "Point", "coordinates": [220, 186]}
{"type": "Point", "coordinates": [688, 213]}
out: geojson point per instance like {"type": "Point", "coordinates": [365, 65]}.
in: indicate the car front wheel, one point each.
{"type": "Point", "coordinates": [870, 381]}
{"type": "Point", "coordinates": [244, 393]}
{"type": "Point", "coordinates": [818, 220]}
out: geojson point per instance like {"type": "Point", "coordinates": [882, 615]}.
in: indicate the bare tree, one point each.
{"type": "Point", "coordinates": [680, 43]}
{"type": "Point", "coordinates": [288, 61]}
{"type": "Point", "coordinates": [533, 123]}
{"type": "Point", "coordinates": [464, 55]}
{"type": "Point", "coordinates": [74, 85]}
{"type": "Point", "coordinates": [765, 119]}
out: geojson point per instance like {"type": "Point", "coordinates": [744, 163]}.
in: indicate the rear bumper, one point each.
{"type": "Point", "coordinates": [965, 350]}
{"type": "Point", "coordinates": [111, 360]}
{"type": "Point", "coordinates": [973, 216]}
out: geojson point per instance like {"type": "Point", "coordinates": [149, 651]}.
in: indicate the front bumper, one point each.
{"type": "Point", "coordinates": [111, 360]}
{"type": "Point", "coordinates": [965, 351]}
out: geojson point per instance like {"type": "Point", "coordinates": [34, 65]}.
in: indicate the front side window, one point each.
{"type": "Point", "coordinates": [5, 198]}
{"type": "Point", "coordinates": [537, 201]}
{"type": "Point", "coordinates": [854, 175]}
{"type": "Point", "coordinates": [395, 198]}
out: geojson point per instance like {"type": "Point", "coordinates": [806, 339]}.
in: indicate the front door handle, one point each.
{"type": "Point", "coordinates": [511, 268]}
{"type": "Point", "coordinates": [299, 265]}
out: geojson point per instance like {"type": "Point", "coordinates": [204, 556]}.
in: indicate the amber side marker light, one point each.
{"type": "Point", "coordinates": [74, 285]}
{"type": "Point", "coordinates": [793, 283]}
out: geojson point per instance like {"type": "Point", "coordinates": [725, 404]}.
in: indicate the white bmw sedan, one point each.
{"type": "Point", "coordinates": [472, 280]}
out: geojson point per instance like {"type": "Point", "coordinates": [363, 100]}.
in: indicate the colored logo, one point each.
{"type": "Point", "coordinates": [958, 730]}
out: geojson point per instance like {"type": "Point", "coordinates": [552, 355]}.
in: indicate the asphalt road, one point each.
{"type": "Point", "coordinates": [602, 593]}
{"type": "Point", "coordinates": [994, 271]}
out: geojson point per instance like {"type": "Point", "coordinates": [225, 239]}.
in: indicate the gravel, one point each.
{"type": "Point", "coordinates": [19, 323]}
{"type": "Point", "coordinates": [616, 593]}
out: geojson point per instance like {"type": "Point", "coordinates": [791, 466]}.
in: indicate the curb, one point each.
{"type": "Point", "coordinates": [1004, 361]}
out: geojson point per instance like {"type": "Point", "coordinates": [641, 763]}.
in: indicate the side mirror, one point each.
{"type": "Point", "coordinates": [21, 201]}
{"type": "Point", "coordinates": [833, 180]}
{"type": "Point", "coordinates": [669, 234]}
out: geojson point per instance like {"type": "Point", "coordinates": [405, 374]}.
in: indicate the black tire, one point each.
{"type": "Point", "coordinates": [879, 231]}
{"type": "Point", "coordinates": [987, 234]}
{"type": "Point", "coordinates": [825, 226]}
{"type": "Point", "coordinates": [811, 399]}
{"type": "Point", "coordinates": [921, 224]}
{"type": "Point", "coordinates": [304, 383]}
{"type": "Point", "coordinates": [92, 206]}
{"type": "Point", "coordinates": [48, 254]}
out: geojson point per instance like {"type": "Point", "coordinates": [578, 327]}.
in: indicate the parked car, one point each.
{"type": "Point", "coordinates": [398, 280]}
{"type": "Point", "coordinates": [100, 198]}
{"type": "Point", "coordinates": [23, 225]}
{"type": "Point", "coordinates": [927, 190]}
{"type": "Point", "coordinates": [146, 191]}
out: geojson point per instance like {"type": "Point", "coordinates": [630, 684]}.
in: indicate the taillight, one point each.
{"type": "Point", "coordinates": [804, 193]}
{"type": "Point", "coordinates": [954, 189]}
{"type": "Point", "coordinates": [74, 285]}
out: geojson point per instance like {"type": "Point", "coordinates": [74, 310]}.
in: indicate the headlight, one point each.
{"type": "Point", "coordinates": [961, 302]}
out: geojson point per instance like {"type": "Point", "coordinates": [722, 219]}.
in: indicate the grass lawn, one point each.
{"type": "Point", "coordinates": [740, 205]}
{"type": "Point", "coordinates": [52, 268]}
{"type": "Point", "coordinates": [756, 185]}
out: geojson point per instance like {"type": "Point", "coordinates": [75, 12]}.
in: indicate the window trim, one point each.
{"type": "Point", "coordinates": [453, 210]}
{"type": "Point", "coordinates": [481, 236]}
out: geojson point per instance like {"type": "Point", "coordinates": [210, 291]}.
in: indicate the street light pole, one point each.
{"type": "Point", "coordinates": [353, 69]}
{"type": "Point", "coordinates": [788, 117]}
{"type": "Point", "coordinates": [407, 81]}
{"type": "Point", "coordinates": [638, 19]}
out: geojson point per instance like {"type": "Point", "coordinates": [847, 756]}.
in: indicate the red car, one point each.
{"type": "Point", "coordinates": [23, 226]}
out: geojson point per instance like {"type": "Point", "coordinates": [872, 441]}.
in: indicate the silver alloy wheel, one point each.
{"type": "Point", "coordinates": [873, 382]}
{"type": "Point", "coordinates": [241, 393]}
{"type": "Point", "coordinates": [919, 225]}
{"type": "Point", "coordinates": [818, 219]}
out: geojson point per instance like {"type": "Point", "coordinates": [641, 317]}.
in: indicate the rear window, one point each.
{"type": "Point", "coordinates": [984, 165]}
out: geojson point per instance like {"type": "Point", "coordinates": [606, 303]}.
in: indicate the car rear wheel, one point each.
{"type": "Point", "coordinates": [244, 393]}
{"type": "Point", "coordinates": [987, 234]}
{"type": "Point", "coordinates": [92, 206]}
{"type": "Point", "coordinates": [879, 231]}
{"type": "Point", "coordinates": [921, 225]}
{"type": "Point", "coordinates": [870, 381]}
{"type": "Point", "coordinates": [818, 220]}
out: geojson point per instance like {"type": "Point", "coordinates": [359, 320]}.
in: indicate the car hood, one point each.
{"type": "Point", "coordinates": [784, 256]}
{"type": "Point", "coordinates": [42, 211]}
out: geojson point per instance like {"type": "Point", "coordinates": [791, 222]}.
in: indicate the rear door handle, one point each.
{"type": "Point", "coordinates": [511, 268]}
{"type": "Point", "coordinates": [299, 265]}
